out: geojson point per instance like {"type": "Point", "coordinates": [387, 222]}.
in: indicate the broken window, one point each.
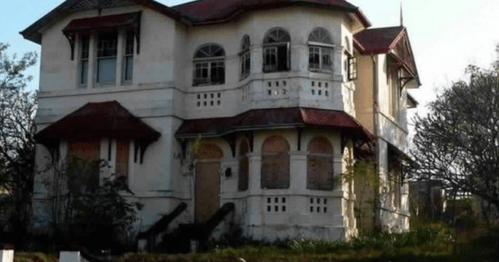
{"type": "Point", "coordinates": [320, 164]}
{"type": "Point", "coordinates": [209, 65]}
{"type": "Point", "coordinates": [320, 51]}
{"type": "Point", "coordinates": [275, 163]}
{"type": "Point", "coordinates": [245, 57]}
{"type": "Point", "coordinates": [276, 51]}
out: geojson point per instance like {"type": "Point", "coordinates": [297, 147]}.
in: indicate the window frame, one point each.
{"type": "Point", "coordinates": [210, 62]}
{"type": "Point", "coordinates": [274, 41]}
{"type": "Point", "coordinates": [105, 57]}
{"type": "Point", "coordinates": [128, 54]}
{"type": "Point", "coordinates": [320, 39]}
{"type": "Point", "coordinates": [84, 59]}
{"type": "Point", "coordinates": [245, 58]}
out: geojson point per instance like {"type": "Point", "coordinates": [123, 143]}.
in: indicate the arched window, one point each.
{"type": "Point", "coordinates": [320, 50]}
{"type": "Point", "coordinates": [275, 163]}
{"type": "Point", "coordinates": [276, 51]}
{"type": "Point", "coordinates": [245, 56]}
{"type": "Point", "coordinates": [209, 65]}
{"type": "Point", "coordinates": [320, 164]}
{"type": "Point", "coordinates": [243, 166]}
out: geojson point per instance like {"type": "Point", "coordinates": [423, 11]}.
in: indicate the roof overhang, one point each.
{"type": "Point", "coordinates": [262, 119]}
{"type": "Point", "coordinates": [411, 102]}
{"type": "Point", "coordinates": [34, 31]}
{"type": "Point", "coordinates": [98, 120]}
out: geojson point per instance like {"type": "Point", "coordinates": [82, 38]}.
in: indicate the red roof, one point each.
{"type": "Point", "coordinates": [108, 119]}
{"type": "Point", "coordinates": [215, 11]}
{"type": "Point", "coordinates": [258, 119]}
{"type": "Point", "coordinates": [377, 40]}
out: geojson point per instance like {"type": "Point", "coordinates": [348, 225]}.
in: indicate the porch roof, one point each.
{"type": "Point", "coordinates": [259, 119]}
{"type": "Point", "coordinates": [107, 119]}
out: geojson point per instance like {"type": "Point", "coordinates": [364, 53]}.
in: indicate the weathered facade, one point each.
{"type": "Point", "coordinates": [260, 104]}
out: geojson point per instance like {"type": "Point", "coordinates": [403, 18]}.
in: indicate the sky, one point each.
{"type": "Point", "coordinates": [445, 35]}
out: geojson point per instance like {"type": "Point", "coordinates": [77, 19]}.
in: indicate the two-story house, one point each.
{"type": "Point", "coordinates": [260, 104]}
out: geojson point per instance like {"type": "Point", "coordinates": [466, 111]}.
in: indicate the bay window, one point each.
{"type": "Point", "coordinates": [209, 65]}
{"type": "Point", "coordinates": [276, 51]}
{"type": "Point", "coordinates": [320, 51]}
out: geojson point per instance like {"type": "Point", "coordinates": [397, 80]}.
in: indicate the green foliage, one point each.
{"type": "Point", "coordinates": [457, 141]}
{"type": "Point", "coordinates": [34, 257]}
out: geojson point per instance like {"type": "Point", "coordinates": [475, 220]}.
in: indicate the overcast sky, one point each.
{"type": "Point", "coordinates": [446, 35]}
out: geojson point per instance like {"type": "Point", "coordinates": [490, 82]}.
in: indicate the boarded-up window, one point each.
{"type": "Point", "coordinates": [275, 163]}
{"type": "Point", "coordinates": [243, 166]}
{"type": "Point", "coordinates": [122, 156]}
{"type": "Point", "coordinates": [84, 164]}
{"type": "Point", "coordinates": [320, 164]}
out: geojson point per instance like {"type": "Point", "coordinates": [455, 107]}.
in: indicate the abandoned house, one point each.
{"type": "Point", "coordinates": [227, 113]}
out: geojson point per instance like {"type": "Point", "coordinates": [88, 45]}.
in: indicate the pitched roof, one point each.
{"type": "Point", "coordinates": [108, 119]}
{"type": "Point", "coordinates": [33, 33]}
{"type": "Point", "coordinates": [388, 40]}
{"type": "Point", "coordinates": [196, 12]}
{"type": "Point", "coordinates": [214, 11]}
{"type": "Point", "coordinates": [377, 40]}
{"type": "Point", "coordinates": [258, 119]}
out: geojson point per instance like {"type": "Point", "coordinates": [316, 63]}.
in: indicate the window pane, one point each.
{"type": "Point", "coordinates": [129, 43]}
{"type": "Point", "coordinates": [326, 58]}
{"type": "Point", "coordinates": [83, 72]}
{"type": "Point", "coordinates": [85, 41]}
{"type": "Point", "coordinates": [313, 58]}
{"type": "Point", "coordinates": [201, 73]}
{"type": "Point", "coordinates": [106, 70]}
{"type": "Point", "coordinates": [217, 73]}
{"type": "Point", "coordinates": [107, 45]}
{"type": "Point", "coordinates": [128, 68]}
{"type": "Point", "coordinates": [270, 59]}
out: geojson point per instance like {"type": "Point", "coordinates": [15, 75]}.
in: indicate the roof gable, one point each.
{"type": "Point", "coordinates": [388, 40]}
{"type": "Point", "coordinates": [33, 32]}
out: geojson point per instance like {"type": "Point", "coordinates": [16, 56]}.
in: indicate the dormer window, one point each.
{"type": "Point", "coordinates": [320, 49]}
{"type": "Point", "coordinates": [245, 57]}
{"type": "Point", "coordinates": [276, 51]}
{"type": "Point", "coordinates": [209, 65]}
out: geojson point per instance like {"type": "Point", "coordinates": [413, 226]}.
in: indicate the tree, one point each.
{"type": "Point", "coordinates": [17, 146]}
{"type": "Point", "coordinates": [458, 141]}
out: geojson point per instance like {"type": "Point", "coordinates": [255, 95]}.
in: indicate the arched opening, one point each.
{"type": "Point", "coordinates": [276, 51]}
{"type": "Point", "coordinates": [275, 163]}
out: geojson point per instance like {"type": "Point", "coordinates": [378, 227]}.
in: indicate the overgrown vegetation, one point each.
{"type": "Point", "coordinates": [427, 242]}
{"type": "Point", "coordinates": [88, 212]}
